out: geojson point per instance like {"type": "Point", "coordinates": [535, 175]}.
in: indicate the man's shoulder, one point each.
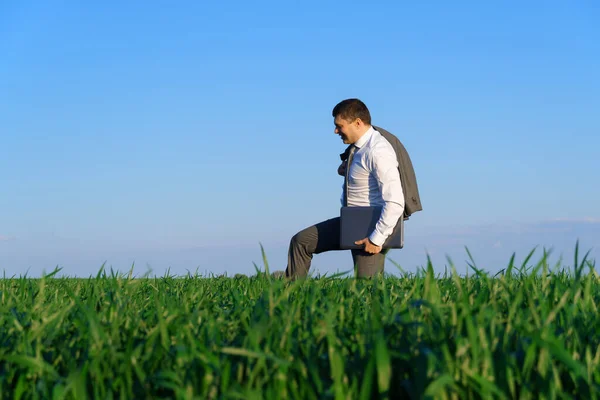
{"type": "Point", "coordinates": [388, 136]}
{"type": "Point", "coordinates": [380, 145]}
{"type": "Point", "coordinates": [380, 148]}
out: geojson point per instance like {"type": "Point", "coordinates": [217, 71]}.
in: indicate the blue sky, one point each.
{"type": "Point", "coordinates": [183, 135]}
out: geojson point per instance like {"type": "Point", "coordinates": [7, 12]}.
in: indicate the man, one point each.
{"type": "Point", "coordinates": [373, 180]}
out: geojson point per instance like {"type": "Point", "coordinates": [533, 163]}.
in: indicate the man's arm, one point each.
{"type": "Point", "coordinates": [385, 169]}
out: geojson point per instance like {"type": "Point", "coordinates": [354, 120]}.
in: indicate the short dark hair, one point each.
{"type": "Point", "coordinates": [350, 109]}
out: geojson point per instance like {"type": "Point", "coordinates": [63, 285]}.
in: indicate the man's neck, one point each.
{"type": "Point", "coordinates": [366, 129]}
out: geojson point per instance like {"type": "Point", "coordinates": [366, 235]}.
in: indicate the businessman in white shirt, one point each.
{"type": "Point", "coordinates": [373, 180]}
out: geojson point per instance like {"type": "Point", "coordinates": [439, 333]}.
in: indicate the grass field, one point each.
{"type": "Point", "coordinates": [532, 331]}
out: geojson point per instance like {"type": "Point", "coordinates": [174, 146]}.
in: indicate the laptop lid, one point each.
{"type": "Point", "coordinates": [357, 223]}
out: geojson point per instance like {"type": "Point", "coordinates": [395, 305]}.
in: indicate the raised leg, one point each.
{"type": "Point", "coordinates": [318, 238]}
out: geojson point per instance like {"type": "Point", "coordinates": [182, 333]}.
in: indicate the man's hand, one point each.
{"type": "Point", "coordinates": [369, 246]}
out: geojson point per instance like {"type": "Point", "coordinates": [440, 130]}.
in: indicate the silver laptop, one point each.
{"type": "Point", "coordinates": [357, 223]}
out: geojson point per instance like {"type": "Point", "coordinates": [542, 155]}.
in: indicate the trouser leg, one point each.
{"type": "Point", "coordinates": [367, 264]}
{"type": "Point", "coordinates": [318, 238]}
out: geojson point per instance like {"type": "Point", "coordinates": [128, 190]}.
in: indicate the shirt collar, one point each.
{"type": "Point", "coordinates": [364, 138]}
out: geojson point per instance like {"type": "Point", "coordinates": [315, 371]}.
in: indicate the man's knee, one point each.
{"type": "Point", "coordinates": [303, 238]}
{"type": "Point", "coordinates": [318, 238]}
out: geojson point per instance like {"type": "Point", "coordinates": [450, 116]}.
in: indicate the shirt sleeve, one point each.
{"type": "Point", "coordinates": [384, 166]}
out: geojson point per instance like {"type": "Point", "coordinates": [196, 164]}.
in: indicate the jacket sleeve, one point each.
{"type": "Point", "coordinates": [344, 155]}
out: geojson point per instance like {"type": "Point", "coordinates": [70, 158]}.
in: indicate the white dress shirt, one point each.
{"type": "Point", "coordinates": [374, 180]}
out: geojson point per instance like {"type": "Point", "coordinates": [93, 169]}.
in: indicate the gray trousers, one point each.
{"type": "Point", "coordinates": [322, 237]}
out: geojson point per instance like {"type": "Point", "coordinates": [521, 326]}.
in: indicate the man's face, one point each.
{"type": "Point", "coordinates": [348, 130]}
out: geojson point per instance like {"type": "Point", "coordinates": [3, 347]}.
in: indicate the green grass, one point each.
{"type": "Point", "coordinates": [528, 332]}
